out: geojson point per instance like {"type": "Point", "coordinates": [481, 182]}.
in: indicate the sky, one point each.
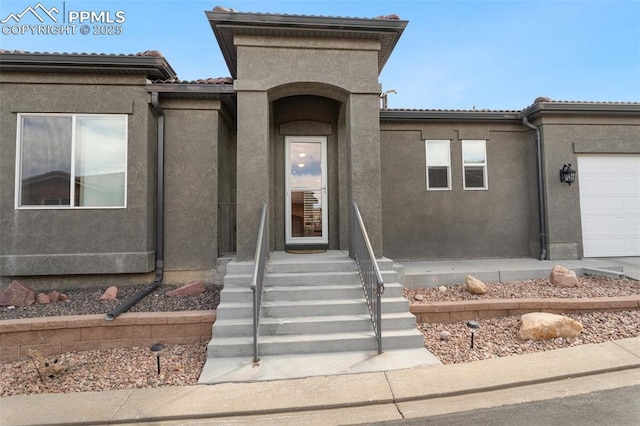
{"type": "Point", "coordinates": [454, 54]}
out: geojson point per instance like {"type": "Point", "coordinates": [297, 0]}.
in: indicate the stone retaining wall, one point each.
{"type": "Point", "coordinates": [446, 312]}
{"type": "Point", "coordinates": [57, 335]}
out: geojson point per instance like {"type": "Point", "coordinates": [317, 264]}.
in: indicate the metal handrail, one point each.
{"type": "Point", "coordinates": [257, 281]}
{"type": "Point", "coordinates": [370, 276]}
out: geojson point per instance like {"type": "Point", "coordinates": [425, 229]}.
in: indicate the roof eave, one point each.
{"type": "Point", "coordinates": [222, 22]}
{"type": "Point", "coordinates": [212, 91]}
{"type": "Point", "coordinates": [607, 108]}
{"type": "Point", "coordinates": [418, 115]}
{"type": "Point", "coordinates": [151, 66]}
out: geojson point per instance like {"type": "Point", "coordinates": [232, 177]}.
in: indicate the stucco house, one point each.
{"type": "Point", "coordinates": [87, 140]}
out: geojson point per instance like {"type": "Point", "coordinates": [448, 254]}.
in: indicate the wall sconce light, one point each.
{"type": "Point", "coordinates": [567, 174]}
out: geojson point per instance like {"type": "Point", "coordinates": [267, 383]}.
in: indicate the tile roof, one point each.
{"type": "Point", "coordinates": [151, 53]}
{"type": "Point", "coordinates": [230, 10]}
{"type": "Point", "coordinates": [210, 80]}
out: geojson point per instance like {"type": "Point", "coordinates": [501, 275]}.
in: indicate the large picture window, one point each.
{"type": "Point", "coordinates": [474, 164]}
{"type": "Point", "coordinates": [438, 164]}
{"type": "Point", "coordinates": [71, 160]}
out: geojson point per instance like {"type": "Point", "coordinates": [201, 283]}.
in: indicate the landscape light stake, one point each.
{"type": "Point", "coordinates": [473, 325]}
{"type": "Point", "coordinates": [157, 350]}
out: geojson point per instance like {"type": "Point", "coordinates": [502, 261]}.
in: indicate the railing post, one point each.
{"type": "Point", "coordinates": [370, 276]}
{"type": "Point", "coordinates": [257, 280]}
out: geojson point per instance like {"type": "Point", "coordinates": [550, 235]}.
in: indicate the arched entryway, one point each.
{"type": "Point", "coordinates": [309, 166]}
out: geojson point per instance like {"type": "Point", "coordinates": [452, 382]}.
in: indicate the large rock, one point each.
{"type": "Point", "coordinates": [475, 286]}
{"type": "Point", "coordinates": [109, 294]}
{"type": "Point", "coordinates": [193, 287]}
{"type": "Point", "coordinates": [563, 277]}
{"type": "Point", "coordinates": [43, 299]}
{"type": "Point", "coordinates": [17, 294]}
{"type": "Point", "coordinates": [545, 326]}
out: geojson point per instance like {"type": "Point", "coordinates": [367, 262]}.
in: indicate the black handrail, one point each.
{"type": "Point", "coordinates": [257, 281]}
{"type": "Point", "coordinates": [370, 276]}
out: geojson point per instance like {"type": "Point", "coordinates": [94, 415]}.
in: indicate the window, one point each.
{"type": "Point", "coordinates": [474, 164]}
{"type": "Point", "coordinates": [438, 165]}
{"type": "Point", "coordinates": [71, 160]}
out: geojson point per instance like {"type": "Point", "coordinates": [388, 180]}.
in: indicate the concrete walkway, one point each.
{"type": "Point", "coordinates": [346, 399]}
{"type": "Point", "coordinates": [445, 272]}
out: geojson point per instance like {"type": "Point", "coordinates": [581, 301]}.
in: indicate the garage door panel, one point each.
{"type": "Point", "coordinates": [610, 204]}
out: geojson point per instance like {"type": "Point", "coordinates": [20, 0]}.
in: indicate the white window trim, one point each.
{"type": "Point", "coordinates": [483, 165]}
{"type": "Point", "coordinates": [18, 178]}
{"type": "Point", "coordinates": [448, 165]}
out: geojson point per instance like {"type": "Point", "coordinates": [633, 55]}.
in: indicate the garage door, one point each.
{"type": "Point", "coordinates": [610, 204]}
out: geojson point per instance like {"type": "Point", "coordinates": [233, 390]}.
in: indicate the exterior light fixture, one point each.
{"type": "Point", "coordinates": [156, 350]}
{"type": "Point", "coordinates": [474, 326]}
{"type": "Point", "coordinates": [567, 174]}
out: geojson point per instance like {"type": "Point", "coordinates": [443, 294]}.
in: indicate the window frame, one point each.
{"type": "Point", "coordinates": [71, 206]}
{"type": "Point", "coordinates": [484, 166]}
{"type": "Point", "coordinates": [448, 165]}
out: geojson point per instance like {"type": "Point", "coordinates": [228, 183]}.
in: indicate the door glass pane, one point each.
{"type": "Point", "coordinates": [306, 165]}
{"type": "Point", "coordinates": [306, 213]}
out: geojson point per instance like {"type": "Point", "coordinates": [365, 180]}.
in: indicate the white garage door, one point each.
{"type": "Point", "coordinates": [610, 204]}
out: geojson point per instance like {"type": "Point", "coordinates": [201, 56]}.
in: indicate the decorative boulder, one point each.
{"type": "Point", "coordinates": [563, 277]}
{"type": "Point", "coordinates": [545, 326]}
{"type": "Point", "coordinates": [419, 297]}
{"type": "Point", "coordinates": [110, 293]}
{"type": "Point", "coordinates": [43, 299]}
{"type": "Point", "coordinates": [54, 296]}
{"type": "Point", "coordinates": [190, 288]}
{"type": "Point", "coordinates": [475, 286]}
{"type": "Point", "coordinates": [17, 294]}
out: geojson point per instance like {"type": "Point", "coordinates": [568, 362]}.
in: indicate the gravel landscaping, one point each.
{"type": "Point", "coordinates": [181, 364]}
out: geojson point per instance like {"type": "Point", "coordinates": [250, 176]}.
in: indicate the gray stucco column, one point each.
{"type": "Point", "coordinates": [253, 168]}
{"type": "Point", "coordinates": [363, 133]}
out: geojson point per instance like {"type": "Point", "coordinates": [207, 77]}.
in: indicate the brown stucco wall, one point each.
{"type": "Point", "coordinates": [272, 68]}
{"type": "Point", "coordinates": [191, 183]}
{"type": "Point", "coordinates": [86, 241]}
{"type": "Point", "coordinates": [497, 222]}
{"type": "Point", "coordinates": [565, 137]}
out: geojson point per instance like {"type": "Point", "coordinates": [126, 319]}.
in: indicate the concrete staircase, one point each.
{"type": "Point", "coordinates": [312, 304]}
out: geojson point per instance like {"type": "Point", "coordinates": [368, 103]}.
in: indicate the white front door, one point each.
{"type": "Point", "coordinates": [306, 190]}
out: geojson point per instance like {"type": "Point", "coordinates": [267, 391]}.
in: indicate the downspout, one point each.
{"type": "Point", "coordinates": [542, 226]}
{"type": "Point", "coordinates": [124, 306]}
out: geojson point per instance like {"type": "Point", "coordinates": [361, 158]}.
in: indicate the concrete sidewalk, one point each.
{"type": "Point", "coordinates": [431, 273]}
{"type": "Point", "coordinates": [345, 399]}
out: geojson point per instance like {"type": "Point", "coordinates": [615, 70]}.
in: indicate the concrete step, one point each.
{"type": "Point", "coordinates": [304, 278]}
{"type": "Point", "coordinates": [294, 264]}
{"type": "Point", "coordinates": [283, 309]}
{"type": "Point", "coordinates": [311, 325]}
{"type": "Point", "coordinates": [302, 293]}
{"type": "Point", "coordinates": [314, 343]}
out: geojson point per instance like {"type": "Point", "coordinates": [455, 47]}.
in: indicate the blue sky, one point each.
{"type": "Point", "coordinates": [454, 54]}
